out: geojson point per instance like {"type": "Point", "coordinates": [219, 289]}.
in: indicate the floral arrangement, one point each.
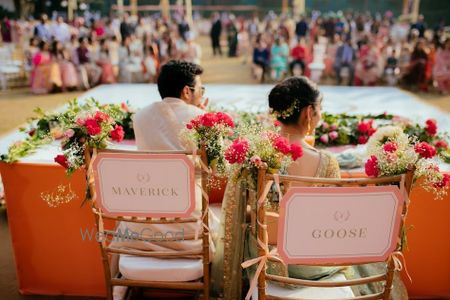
{"type": "Point", "coordinates": [210, 130]}
{"type": "Point", "coordinates": [90, 128]}
{"type": "Point", "coordinates": [255, 147]}
{"type": "Point", "coordinates": [393, 152]}
{"type": "Point", "coordinates": [45, 128]}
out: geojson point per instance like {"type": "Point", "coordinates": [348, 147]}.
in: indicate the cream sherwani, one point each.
{"type": "Point", "coordinates": [157, 127]}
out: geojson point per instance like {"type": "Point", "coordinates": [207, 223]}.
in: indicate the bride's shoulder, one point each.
{"type": "Point", "coordinates": [330, 166]}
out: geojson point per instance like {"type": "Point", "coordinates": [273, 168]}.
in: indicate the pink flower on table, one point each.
{"type": "Point", "coordinates": [80, 121]}
{"type": "Point", "coordinates": [62, 160]}
{"type": "Point", "coordinates": [391, 157]}
{"type": "Point", "coordinates": [363, 127]}
{"type": "Point", "coordinates": [296, 151]}
{"type": "Point", "coordinates": [371, 167]}
{"type": "Point", "coordinates": [92, 127]}
{"type": "Point", "coordinates": [390, 147]}
{"type": "Point", "coordinates": [441, 144]}
{"type": "Point", "coordinates": [237, 151]}
{"type": "Point", "coordinates": [333, 127]}
{"type": "Point", "coordinates": [324, 138]}
{"type": "Point", "coordinates": [371, 131]}
{"type": "Point", "coordinates": [208, 119]}
{"type": "Point", "coordinates": [431, 127]}
{"type": "Point", "coordinates": [225, 119]}
{"type": "Point", "coordinates": [117, 133]}
{"type": "Point", "coordinates": [325, 125]}
{"type": "Point", "coordinates": [333, 135]}
{"type": "Point", "coordinates": [425, 150]}
{"type": "Point", "coordinates": [282, 144]}
{"type": "Point", "coordinates": [277, 123]}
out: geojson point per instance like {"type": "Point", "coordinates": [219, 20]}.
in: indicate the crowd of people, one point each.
{"type": "Point", "coordinates": [353, 49]}
{"type": "Point", "coordinates": [360, 48]}
{"type": "Point", "coordinates": [92, 51]}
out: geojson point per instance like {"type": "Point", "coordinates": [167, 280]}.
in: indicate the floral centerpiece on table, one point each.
{"type": "Point", "coordinates": [392, 152]}
{"type": "Point", "coordinates": [210, 130]}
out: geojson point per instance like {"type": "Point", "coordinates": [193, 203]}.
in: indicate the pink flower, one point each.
{"type": "Point", "coordinates": [362, 140]}
{"type": "Point", "coordinates": [124, 107]}
{"type": "Point", "coordinates": [390, 147]}
{"type": "Point", "coordinates": [117, 133]}
{"type": "Point", "coordinates": [333, 127]}
{"type": "Point", "coordinates": [431, 127]}
{"type": "Point", "coordinates": [371, 167]}
{"type": "Point", "coordinates": [296, 151]}
{"type": "Point", "coordinates": [62, 160]}
{"type": "Point", "coordinates": [277, 123]}
{"type": "Point", "coordinates": [101, 117]}
{"type": "Point", "coordinates": [441, 144]}
{"type": "Point", "coordinates": [256, 160]}
{"type": "Point", "coordinates": [282, 144]}
{"type": "Point", "coordinates": [324, 138]}
{"type": "Point", "coordinates": [325, 125]}
{"type": "Point", "coordinates": [225, 119]}
{"type": "Point", "coordinates": [92, 127]}
{"type": "Point", "coordinates": [237, 151]}
{"type": "Point", "coordinates": [371, 131]}
{"type": "Point", "coordinates": [189, 126]}
{"type": "Point", "coordinates": [425, 150]}
{"type": "Point", "coordinates": [80, 121]}
{"type": "Point", "coordinates": [208, 119]}
{"type": "Point", "coordinates": [333, 135]}
{"type": "Point", "coordinates": [391, 157]}
{"type": "Point", "coordinates": [69, 133]}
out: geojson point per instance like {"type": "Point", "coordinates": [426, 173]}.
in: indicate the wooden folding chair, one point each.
{"type": "Point", "coordinates": [265, 280]}
{"type": "Point", "coordinates": [111, 254]}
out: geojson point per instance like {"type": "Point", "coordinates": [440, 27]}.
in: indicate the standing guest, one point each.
{"type": "Point", "coordinates": [126, 29]}
{"type": "Point", "coordinates": [441, 70]}
{"type": "Point", "coordinates": [42, 30]}
{"type": "Point", "coordinates": [193, 51]}
{"type": "Point", "coordinates": [232, 34]}
{"type": "Point", "coordinates": [368, 68]}
{"type": "Point", "coordinates": [420, 26]}
{"type": "Point", "coordinates": [301, 28]}
{"type": "Point", "coordinates": [330, 55]}
{"type": "Point", "coordinates": [5, 28]}
{"type": "Point", "coordinates": [216, 31]}
{"type": "Point", "coordinates": [60, 31]}
{"type": "Point", "coordinates": [345, 57]}
{"type": "Point", "coordinates": [183, 29]}
{"type": "Point", "coordinates": [415, 75]}
{"type": "Point", "coordinates": [151, 64]}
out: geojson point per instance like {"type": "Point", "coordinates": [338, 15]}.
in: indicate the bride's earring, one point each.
{"type": "Point", "coordinates": [309, 139]}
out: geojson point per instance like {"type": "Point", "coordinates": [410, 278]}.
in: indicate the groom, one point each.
{"type": "Point", "coordinates": [158, 125]}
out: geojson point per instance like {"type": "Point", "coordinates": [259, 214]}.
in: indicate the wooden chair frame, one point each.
{"type": "Point", "coordinates": [112, 275]}
{"type": "Point", "coordinates": [261, 232]}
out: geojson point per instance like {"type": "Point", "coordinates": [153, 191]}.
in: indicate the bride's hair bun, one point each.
{"type": "Point", "coordinates": [289, 97]}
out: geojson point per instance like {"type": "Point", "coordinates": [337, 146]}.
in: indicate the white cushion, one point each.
{"type": "Point", "coordinates": [309, 292]}
{"type": "Point", "coordinates": [160, 269]}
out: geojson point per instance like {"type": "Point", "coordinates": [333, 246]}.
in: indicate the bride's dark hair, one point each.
{"type": "Point", "coordinates": [289, 97]}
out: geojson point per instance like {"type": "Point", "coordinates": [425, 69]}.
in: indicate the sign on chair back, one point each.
{"type": "Point", "coordinates": [146, 192]}
{"type": "Point", "coordinates": [333, 222]}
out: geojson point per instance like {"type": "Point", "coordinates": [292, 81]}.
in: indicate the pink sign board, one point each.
{"type": "Point", "coordinates": [339, 225]}
{"type": "Point", "coordinates": [145, 185]}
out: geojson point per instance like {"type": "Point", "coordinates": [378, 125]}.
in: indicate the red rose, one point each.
{"type": "Point", "coordinates": [371, 131]}
{"type": "Point", "coordinates": [296, 151]}
{"type": "Point", "coordinates": [444, 182]}
{"type": "Point", "coordinates": [189, 126]}
{"type": "Point", "coordinates": [282, 144]}
{"type": "Point", "coordinates": [237, 151]}
{"type": "Point", "coordinates": [431, 127]}
{"type": "Point", "coordinates": [117, 133]}
{"type": "Point", "coordinates": [425, 150]}
{"type": "Point", "coordinates": [390, 147]}
{"type": "Point", "coordinates": [92, 127]}
{"type": "Point", "coordinates": [101, 117]}
{"type": "Point", "coordinates": [62, 160]}
{"type": "Point", "coordinates": [363, 127]}
{"type": "Point", "coordinates": [362, 139]}
{"type": "Point", "coordinates": [371, 167]}
{"type": "Point", "coordinates": [441, 144]}
{"type": "Point", "coordinates": [277, 123]}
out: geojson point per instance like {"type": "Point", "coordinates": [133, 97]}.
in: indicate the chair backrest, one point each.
{"type": "Point", "coordinates": [155, 187]}
{"type": "Point", "coordinates": [335, 222]}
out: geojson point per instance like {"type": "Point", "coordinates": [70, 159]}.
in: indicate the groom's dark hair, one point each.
{"type": "Point", "coordinates": [175, 75]}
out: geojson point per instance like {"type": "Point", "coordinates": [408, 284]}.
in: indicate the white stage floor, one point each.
{"type": "Point", "coordinates": [337, 99]}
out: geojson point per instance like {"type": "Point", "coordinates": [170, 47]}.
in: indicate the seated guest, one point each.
{"type": "Point", "coordinates": [345, 58]}
{"type": "Point", "coordinates": [261, 57]}
{"type": "Point", "coordinates": [68, 72]}
{"type": "Point", "coordinates": [298, 57]}
{"type": "Point", "coordinates": [391, 69]}
{"type": "Point", "coordinates": [415, 74]}
{"type": "Point", "coordinates": [46, 75]}
{"type": "Point", "coordinates": [441, 70]}
{"type": "Point", "coordinates": [104, 61]}
{"type": "Point", "coordinates": [279, 58]}
{"type": "Point", "coordinates": [151, 64]}
{"type": "Point", "coordinates": [90, 72]}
